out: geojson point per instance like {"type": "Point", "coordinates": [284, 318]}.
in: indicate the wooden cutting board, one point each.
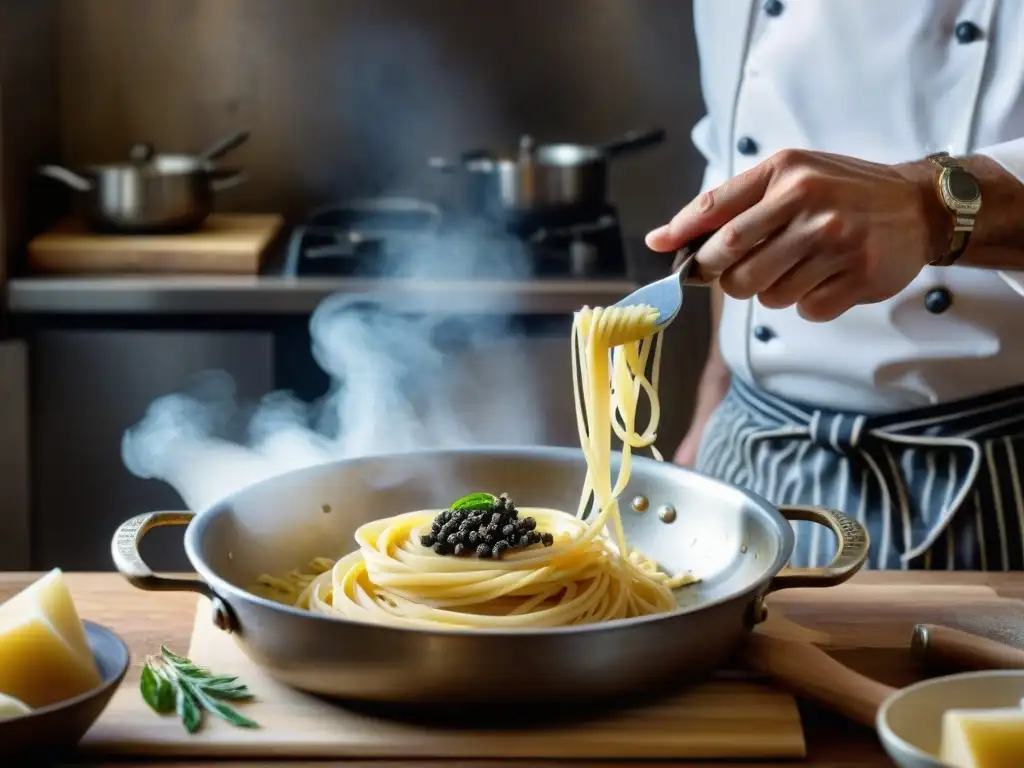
{"type": "Point", "coordinates": [227, 244]}
{"type": "Point", "coordinates": [727, 718]}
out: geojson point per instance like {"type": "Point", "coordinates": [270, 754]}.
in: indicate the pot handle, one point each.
{"type": "Point", "coordinates": [632, 141]}
{"type": "Point", "coordinates": [125, 550]}
{"type": "Point", "coordinates": [227, 182]}
{"type": "Point", "coordinates": [224, 145]}
{"type": "Point", "coordinates": [63, 175]}
{"type": "Point", "coordinates": [850, 555]}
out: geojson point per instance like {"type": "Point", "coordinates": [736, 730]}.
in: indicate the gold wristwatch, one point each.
{"type": "Point", "coordinates": [961, 194]}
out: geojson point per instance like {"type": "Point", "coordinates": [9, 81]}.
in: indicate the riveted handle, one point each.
{"type": "Point", "coordinates": [128, 560]}
{"type": "Point", "coordinates": [851, 553]}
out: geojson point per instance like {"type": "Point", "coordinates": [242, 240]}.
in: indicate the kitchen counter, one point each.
{"type": "Point", "coordinates": [276, 295]}
{"type": "Point", "coordinates": [271, 294]}
{"type": "Point", "coordinates": [875, 645]}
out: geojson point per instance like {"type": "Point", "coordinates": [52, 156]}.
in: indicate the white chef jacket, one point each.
{"type": "Point", "coordinates": [887, 81]}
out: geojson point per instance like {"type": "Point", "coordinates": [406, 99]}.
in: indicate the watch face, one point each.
{"type": "Point", "coordinates": [962, 187]}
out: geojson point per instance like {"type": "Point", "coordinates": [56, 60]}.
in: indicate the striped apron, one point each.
{"type": "Point", "coordinates": [937, 487]}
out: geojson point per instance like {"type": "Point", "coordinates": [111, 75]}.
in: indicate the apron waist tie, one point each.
{"type": "Point", "coordinates": [860, 436]}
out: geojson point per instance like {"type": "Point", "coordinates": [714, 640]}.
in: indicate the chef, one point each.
{"type": "Point", "coordinates": [865, 191]}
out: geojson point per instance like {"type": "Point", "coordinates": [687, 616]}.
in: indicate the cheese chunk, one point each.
{"type": "Point", "coordinates": [12, 707]}
{"type": "Point", "coordinates": [50, 597]}
{"type": "Point", "coordinates": [983, 738]}
{"type": "Point", "coordinates": [44, 654]}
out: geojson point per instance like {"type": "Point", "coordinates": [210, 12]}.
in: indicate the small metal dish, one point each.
{"type": "Point", "coordinates": [54, 730]}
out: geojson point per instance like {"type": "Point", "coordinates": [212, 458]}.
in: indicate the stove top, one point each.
{"type": "Point", "coordinates": [411, 239]}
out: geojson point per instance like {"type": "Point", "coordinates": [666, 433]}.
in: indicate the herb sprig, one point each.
{"type": "Point", "coordinates": [475, 501]}
{"type": "Point", "coordinates": [172, 683]}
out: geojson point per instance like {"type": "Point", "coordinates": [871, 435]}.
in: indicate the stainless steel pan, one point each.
{"type": "Point", "coordinates": [152, 193]}
{"type": "Point", "coordinates": [735, 541]}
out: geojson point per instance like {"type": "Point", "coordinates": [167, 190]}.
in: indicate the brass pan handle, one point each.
{"type": "Point", "coordinates": [124, 548]}
{"type": "Point", "coordinates": [851, 553]}
{"type": "Point", "coordinates": [128, 560]}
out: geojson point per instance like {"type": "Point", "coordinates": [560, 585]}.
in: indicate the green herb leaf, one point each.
{"type": "Point", "coordinates": [188, 711]}
{"type": "Point", "coordinates": [221, 681]}
{"type": "Point", "coordinates": [172, 683]}
{"type": "Point", "coordinates": [157, 692]}
{"type": "Point", "coordinates": [173, 658]}
{"type": "Point", "coordinates": [234, 692]}
{"type": "Point", "coordinates": [219, 708]}
{"type": "Point", "coordinates": [475, 501]}
{"type": "Point", "coordinates": [230, 695]}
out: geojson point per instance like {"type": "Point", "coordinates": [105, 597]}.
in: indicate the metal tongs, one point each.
{"type": "Point", "coordinates": [666, 295]}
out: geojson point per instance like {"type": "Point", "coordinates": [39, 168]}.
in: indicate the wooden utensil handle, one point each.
{"type": "Point", "coordinates": [807, 671]}
{"type": "Point", "coordinates": [934, 645]}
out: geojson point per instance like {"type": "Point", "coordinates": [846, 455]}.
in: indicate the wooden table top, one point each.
{"type": "Point", "coordinates": [146, 620]}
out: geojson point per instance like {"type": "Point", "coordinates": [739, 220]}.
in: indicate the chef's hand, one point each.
{"type": "Point", "coordinates": [824, 232]}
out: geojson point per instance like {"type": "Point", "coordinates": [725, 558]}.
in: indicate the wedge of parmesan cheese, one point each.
{"type": "Point", "coordinates": [12, 707]}
{"type": "Point", "coordinates": [44, 654]}
{"type": "Point", "coordinates": [983, 738]}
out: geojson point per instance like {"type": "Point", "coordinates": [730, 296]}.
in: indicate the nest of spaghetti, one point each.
{"type": "Point", "coordinates": [580, 578]}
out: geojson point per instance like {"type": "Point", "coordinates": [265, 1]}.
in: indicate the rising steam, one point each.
{"type": "Point", "coordinates": [397, 385]}
{"type": "Point", "coordinates": [396, 381]}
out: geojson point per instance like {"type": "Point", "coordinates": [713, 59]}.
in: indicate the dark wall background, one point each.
{"type": "Point", "coordinates": [349, 97]}
{"type": "Point", "coordinates": [29, 122]}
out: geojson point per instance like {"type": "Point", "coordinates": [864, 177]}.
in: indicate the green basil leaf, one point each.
{"type": "Point", "coordinates": [475, 501]}
{"type": "Point", "coordinates": [156, 691]}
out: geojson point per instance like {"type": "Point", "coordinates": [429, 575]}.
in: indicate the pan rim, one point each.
{"type": "Point", "coordinates": [231, 592]}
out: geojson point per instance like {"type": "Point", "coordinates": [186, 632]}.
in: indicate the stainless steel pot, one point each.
{"type": "Point", "coordinates": [735, 541]}
{"type": "Point", "coordinates": [152, 193]}
{"type": "Point", "coordinates": [544, 178]}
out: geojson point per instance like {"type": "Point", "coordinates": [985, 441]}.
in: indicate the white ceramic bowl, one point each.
{"type": "Point", "coordinates": [909, 722]}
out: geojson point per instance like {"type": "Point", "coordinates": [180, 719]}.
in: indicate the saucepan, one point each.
{"type": "Point", "coordinates": [734, 541]}
{"type": "Point", "coordinates": [152, 193]}
{"type": "Point", "coordinates": [544, 178]}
